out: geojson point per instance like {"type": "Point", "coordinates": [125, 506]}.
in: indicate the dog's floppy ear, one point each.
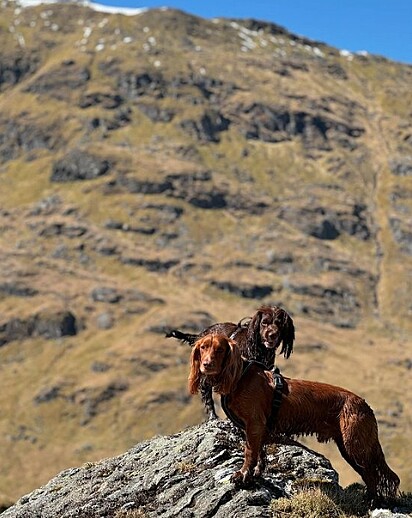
{"type": "Point", "coordinates": [195, 374]}
{"type": "Point", "coordinates": [288, 335]}
{"type": "Point", "coordinates": [253, 334]}
{"type": "Point", "coordinates": [231, 368]}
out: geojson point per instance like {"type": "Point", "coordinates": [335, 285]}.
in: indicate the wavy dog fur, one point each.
{"type": "Point", "coordinates": [308, 407]}
{"type": "Point", "coordinates": [270, 327]}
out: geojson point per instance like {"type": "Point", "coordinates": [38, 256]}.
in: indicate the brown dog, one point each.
{"type": "Point", "coordinates": [269, 329]}
{"type": "Point", "coordinates": [307, 407]}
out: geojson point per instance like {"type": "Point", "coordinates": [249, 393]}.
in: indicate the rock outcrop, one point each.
{"type": "Point", "coordinates": [49, 325]}
{"type": "Point", "coordinates": [186, 474]}
{"type": "Point", "coordinates": [78, 165]}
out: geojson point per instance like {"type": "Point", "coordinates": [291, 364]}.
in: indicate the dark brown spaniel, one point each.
{"type": "Point", "coordinates": [307, 407]}
{"type": "Point", "coordinates": [258, 339]}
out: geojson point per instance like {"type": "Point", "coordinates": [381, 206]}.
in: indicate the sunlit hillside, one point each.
{"type": "Point", "coordinates": [161, 170]}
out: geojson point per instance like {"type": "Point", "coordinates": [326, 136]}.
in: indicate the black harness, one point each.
{"type": "Point", "coordinates": [277, 396]}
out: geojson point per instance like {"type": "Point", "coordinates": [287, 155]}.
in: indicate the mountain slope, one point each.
{"type": "Point", "coordinates": [160, 171]}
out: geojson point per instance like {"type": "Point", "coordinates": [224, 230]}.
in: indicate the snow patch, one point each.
{"type": "Point", "coordinates": [318, 52]}
{"type": "Point", "coordinates": [346, 54]}
{"type": "Point", "coordinates": [127, 11]}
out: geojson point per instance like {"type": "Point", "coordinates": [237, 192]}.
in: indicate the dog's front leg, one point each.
{"type": "Point", "coordinates": [207, 398]}
{"type": "Point", "coordinates": [244, 475]}
{"type": "Point", "coordinates": [253, 460]}
{"type": "Point", "coordinates": [261, 463]}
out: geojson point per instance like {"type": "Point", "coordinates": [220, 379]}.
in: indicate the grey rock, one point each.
{"type": "Point", "coordinates": [208, 127]}
{"type": "Point", "coordinates": [105, 294]}
{"type": "Point", "coordinates": [78, 165]}
{"type": "Point", "coordinates": [338, 303]}
{"type": "Point", "coordinates": [16, 289]}
{"type": "Point", "coordinates": [209, 200]}
{"type": "Point", "coordinates": [328, 223]}
{"type": "Point", "coordinates": [105, 321]}
{"type": "Point", "coordinates": [185, 475]}
{"type": "Point", "coordinates": [47, 394]}
{"type": "Point", "coordinates": [247, 291]}
{"type": "Point", "coordinates": [15, 68]}
{"type": "Point", "coordinates": [60, 81]}
{"type": "Point", "coordinates": [136, 85]}
{"type": "Point", "coordinates": [61, 229]}
{"type": "Point", "coordinates": [258, 121]}
{"type": "Point", "coordinates": [25, 135]}
{"type": "Point", "coordinates": [386, 513]}
{"type": "Point", "coordinates": [114, 295]}
{"type": "Point", "coordinates": [402, 234]}
{"type": "Point", "coordinates": [49, 205]}
{"type": "Point", "coordinates": [152, 265]}
{"type": "Point", "coordinates": [108, 101]}
{"type": "Point", "coordinates": [49, 325]}
{"type": "Point", "coordinates": [100, 366]}
{"type": "Point", "coordinates": [155, 113]}
{"type": "Point", "coordinates": [401, 165]}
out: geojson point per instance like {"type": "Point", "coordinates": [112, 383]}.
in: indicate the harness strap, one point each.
{"type": "Point", "coordinates": [223, 400]}
{"type": "Point", "coordinates": [277, 396]}
{"type": "Point", "coordinates": [240, 326]}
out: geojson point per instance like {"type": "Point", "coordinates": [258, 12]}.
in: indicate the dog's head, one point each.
{"type": "Point", "coordinates": [272, 326]}
{"type": "Point", "coordinates": [217, 357]}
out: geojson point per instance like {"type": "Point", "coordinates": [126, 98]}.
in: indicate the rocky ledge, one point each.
{"type": "Point", "coordinates": [185, 475]}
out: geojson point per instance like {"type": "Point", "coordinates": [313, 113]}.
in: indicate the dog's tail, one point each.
{"type": "Point", "coordinates": [388, 484]}
{"type": "Point", "coordinates": [184, 337]}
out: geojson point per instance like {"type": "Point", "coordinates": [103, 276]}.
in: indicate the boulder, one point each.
{"type": "Point", "coordinates": [328, 223]}
{"type": "Point", "coordinates": [16, 289]}
{"type": "Point", "coordinates": [15, 68]}
{"type": "Point", "coordinates": [24, 135]}
{"type": "Point", "coordinates": [152, 265]}
{"type": "Point", "coordinates": [186, 474]}
{"type": "Point", "coordinates": [401, 165]}
{"type": "Point", "coordinates": [136, 85]}
{"type": "Point", "coordinates": [401, 232]}
{"type": "Point", "coordinates": [247, 291]}
{"type": "Point", "coordinates": [155, 113]}
{"type": "Point", "coordinates": [49, 325]}
{"type": "Point", "coordinates": [208, 127]}
{"type": "Point", "coordinates": [78, 165]}
{"type": "Point", "coordinates": [107, 101]}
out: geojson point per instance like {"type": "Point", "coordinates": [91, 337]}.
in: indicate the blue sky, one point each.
{"type": "Point", "coordinates": [381, 27]}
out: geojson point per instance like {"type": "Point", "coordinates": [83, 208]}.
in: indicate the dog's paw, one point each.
{"type": "Point", "coordinates": [241, 479]}
{"type": "Point", "coordinates": [257, 471]}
